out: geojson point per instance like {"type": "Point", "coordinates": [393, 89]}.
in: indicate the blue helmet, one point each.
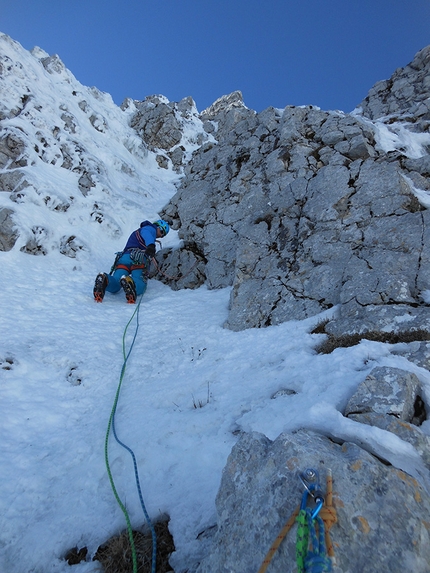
{"type": "Point", "coordinates": [163, 226]}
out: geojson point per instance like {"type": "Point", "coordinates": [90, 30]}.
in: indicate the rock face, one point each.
{"type": "Point", "coordinates": [386, 391]}
{"type": "Point", "coordinates": [405, 93]}
{"type": "Point", "coordinates": [161, 125]}
{"type": "Point", "coordinates": [8, 232]}
{"type": "Point", "coordinates": [390, 399]}
{"type": "Point", "coordinates": [382, 512]}
{"type": "Point", "coordinates": [301, 209]}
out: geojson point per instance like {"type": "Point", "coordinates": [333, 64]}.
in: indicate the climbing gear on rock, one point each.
{"type": "Point", "coordinates": [100, 285]}
{"type": "Point", "coordinates": [129, 288]}
{"type": "Point", "coordinates": [311, 558]}
{"type": "Point", "coordinates": [311, 523]}
{"type": "Point", "coordinates": [310, 481]}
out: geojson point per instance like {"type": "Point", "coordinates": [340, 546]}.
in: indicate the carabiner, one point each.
{"type": "Point", "coordinates": [310, 481]}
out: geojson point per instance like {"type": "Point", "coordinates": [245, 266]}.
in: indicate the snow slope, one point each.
{"type": "Point", "coordinates": [189, 386]}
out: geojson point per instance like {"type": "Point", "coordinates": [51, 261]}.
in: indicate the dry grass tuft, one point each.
{"type": "Point", "coordinates": [344, 341]}
{"type": "Point", "coordinates": [116, 556]}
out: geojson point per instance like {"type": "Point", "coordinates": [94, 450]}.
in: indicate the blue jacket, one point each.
{"type": "Point", "coordinates": [142, 237]}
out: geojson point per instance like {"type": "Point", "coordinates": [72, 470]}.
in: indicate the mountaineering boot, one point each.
{"type": "Point", "coordinates": [100, 287]}
{"type": "Point", "coordinates": [129, 288]}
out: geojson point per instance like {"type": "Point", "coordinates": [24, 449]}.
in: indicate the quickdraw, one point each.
{"type": "Point", "coordinates": [311, 558]}
{"type": "Point", "coordinates": [311, 522]}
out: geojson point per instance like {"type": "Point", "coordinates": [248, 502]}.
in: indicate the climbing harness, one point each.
{"type": "Point", "coordinates": [111, 425]}
{"type": "Point", "coordinates": [138, 258]}
{"type": "Point", "coordinates": [142, 261]}
{"type": "Point", "coordinates": [318, 558]}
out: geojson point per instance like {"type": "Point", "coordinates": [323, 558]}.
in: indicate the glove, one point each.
{"type": "Point", "coordinates": [150, 251]}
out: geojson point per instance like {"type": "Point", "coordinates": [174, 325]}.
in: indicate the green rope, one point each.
{"type": "Point", "coordinates": [111, 419]}
{"type": "Point", "coordinates": [313, 560]}
{"type": "Point", "coordinates": [302, 541]}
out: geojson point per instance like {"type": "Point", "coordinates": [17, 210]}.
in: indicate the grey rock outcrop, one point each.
{"type": "Point", "coordinates": [387, 391]}
{"type": "Point", "coordinates": [157, 123]}
{"type": "Point", "coordinates": [417, 353]}
{"type": "Point", "coordinates": [405, 93]}
{"type": "Point", "coordinates": [160, 123]}
{"type": "Point", "coordinates": [12, 150]}
{"type": "Point", "coordinates": [394, 319]}
{"type": "Point", "coordinates": [382, 513]}
{"type": "Point", "coordinates": [390, 399]}
{"type": "Point", "coordinates": [299, 210]}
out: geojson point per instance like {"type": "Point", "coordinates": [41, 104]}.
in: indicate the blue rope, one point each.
{"type": "Point", "coordinates": [130, 451]}
{"type": "Point", "coordinates": [316, 561]}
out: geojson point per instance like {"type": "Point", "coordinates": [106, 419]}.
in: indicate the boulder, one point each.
{"type": "Point", "coordinates": [390, 399]}
{"type": "Point", "coordinates": [387, 391]}
{"type": "Point", "coordinates": [382, 513]}
{"type": "Point", "coordinates": [12, 146]}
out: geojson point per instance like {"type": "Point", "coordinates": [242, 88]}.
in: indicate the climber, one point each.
{"type": "Point", "coordinates": [131, 267]}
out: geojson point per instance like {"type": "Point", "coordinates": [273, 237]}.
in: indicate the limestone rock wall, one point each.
{"type": "Point", "coordinates": [166, 126]}
{"type": "Point", "coordinates": [406, 92]}
{"type": "Point", "coordinates": [301, 209]}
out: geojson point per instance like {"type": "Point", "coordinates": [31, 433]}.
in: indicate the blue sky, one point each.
{"type": "Point", "coordinates": [327, 53]}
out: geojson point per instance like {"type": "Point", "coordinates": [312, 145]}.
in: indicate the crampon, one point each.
{"type": "Point", "coordinates": [129, 288]}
